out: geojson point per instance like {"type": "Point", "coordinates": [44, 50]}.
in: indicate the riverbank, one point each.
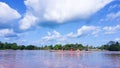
{"type": "Point", "coordinates": [70, 51]}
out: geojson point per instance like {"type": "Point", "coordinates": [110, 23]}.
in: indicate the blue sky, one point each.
{"type": "Point", "coordinates": [45, 22]}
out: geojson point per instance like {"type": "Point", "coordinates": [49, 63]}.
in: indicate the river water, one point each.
{"type": "Point", "coordinates": [67, 59]}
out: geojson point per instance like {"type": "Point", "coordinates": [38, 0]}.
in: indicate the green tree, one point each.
{"type": "Point", "coordinates": [80, 47]}
{"type": "Point", "coordinates": [1, 45]}
{"type": "Point", "coordinates": [14, 46]}
{"type": "Point", "coordinates": [50, 47]}
{"type": "Point", "coordinates": [58, 47]}
{"type": "Point", "coordinates": [111, 46]}
{"type": "Point", "coordinates": [31, 47]}
{"type": "Point", "coordinates": [114, 47]}
{"type": "Point", "coordinates": [22, 47]}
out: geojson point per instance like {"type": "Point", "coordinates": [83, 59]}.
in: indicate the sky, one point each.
{"type": "Point", "coordinates": [46, 22]}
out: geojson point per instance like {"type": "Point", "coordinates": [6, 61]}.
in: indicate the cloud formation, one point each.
{"type": "Point", "coordinates": [117, 39]}
{"type": "Point", "coordinates": [111, 29]}
{"type": "Point", "coordinates": [113, 16]}
{"type": "Point", "coordinates": [7, 13]}
{"type": "Point", "coordinates": [28, 21]}
{"type": "Point", "coordinates": [58, 37]}
{"type": "Point", "coordinates": [6, 32]}
{"type": "Point", "coordinates": [83, 31]}
{"type": "Point", "coordinates": [59, 10]}
{"type": "Point", "coordinates": [54, 36]}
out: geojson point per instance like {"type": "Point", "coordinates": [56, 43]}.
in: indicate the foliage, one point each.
{"type": "Point", "coordinates": [63, 47]}
{"type": "Point", "coordinates": [31, 47]}
{"type": "Point", "coordinates": [22, 47]}
{"type": "Point", "coordinates": [57, 47]}
{"type": "Point", "coordinates": [111, 46]}
{"type": "Point", "coordinates": [14, 46]}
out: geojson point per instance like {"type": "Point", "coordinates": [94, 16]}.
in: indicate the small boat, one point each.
{"type": "Point", "coordinates": [52, 50]}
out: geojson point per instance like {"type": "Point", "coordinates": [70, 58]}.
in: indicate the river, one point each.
{"type": "Point", "coordinates": [67, 59]}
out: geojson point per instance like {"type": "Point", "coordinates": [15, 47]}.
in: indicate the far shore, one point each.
{"type": "Point", "coordinates": [74, 50]}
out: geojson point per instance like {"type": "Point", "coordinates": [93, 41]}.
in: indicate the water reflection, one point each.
{"type": "Point", "coordinates": [113, 58]}
{"type": "Point", "coordinates": [67, 59]}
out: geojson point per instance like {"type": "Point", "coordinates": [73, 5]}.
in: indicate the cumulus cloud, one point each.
{"type": "Point", "coordinates": [66, 9]}
{"type": "Point", "coordinates": [61, 10]}
{"type": "Point", "coordinates": [113, 16]}
{"type": "Point", "coordinates": [117, 39]}
{"type": "Point", "coordinates": [58, 37]}
{"type": "Point", "coordinates": [111, 29]}
{"type": "Point", "coordinates": [85, 30]}
{"type": "Point", "coordinates": [7, 13]}
{"type": "Point", "coordinates": [114, 6]}
{"type": "Point", "coordinates": [54, 36]}
{"type": "Point", "coordinates": [6, 32]}
{"type": "Point", "coordinates": [80, 32]}
{"type": "Point", "coordinates": [28, 21]}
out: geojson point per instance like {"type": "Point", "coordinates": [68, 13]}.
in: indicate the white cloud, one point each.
{"type": "Point", "coordinates": [113, 6]}
{"type": "Point", "coordinates": [57, 37]}
{"type": "Point", "coordinates": [85, 30]}
{"type": "Point", "coordinates": [28, 21]}
{"type": "Point", "coordinates": [71, 34]}
{"type": "Point", "coordinates": [7, 13]}
{"type": "Point", "coordinates": [54, 36]}
{"type": "Point", "coordinates": [62, 10]}
{"type": "Point", "coordinates": [4, 32]}
{"type": "Point", "coordinates": [117, 39]}
{"type": "Point", "coordinates": [111, 29]}
{"type": "Point", "coordinates": [113, 16]}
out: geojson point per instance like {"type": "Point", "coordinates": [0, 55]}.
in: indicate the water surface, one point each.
{"type": "Point", "coordinates": [46, 59]}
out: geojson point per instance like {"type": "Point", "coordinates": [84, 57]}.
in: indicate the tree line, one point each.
{"type": "Point", "coordinates": [64, 47]}
{"type": "Point", "coordinates": [111, 46]}
{"type": "Point", "coordinates": [14, 46]}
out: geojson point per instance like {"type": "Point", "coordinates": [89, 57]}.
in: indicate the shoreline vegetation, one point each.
{"type": "Point", "coordinates": [110, 46]}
